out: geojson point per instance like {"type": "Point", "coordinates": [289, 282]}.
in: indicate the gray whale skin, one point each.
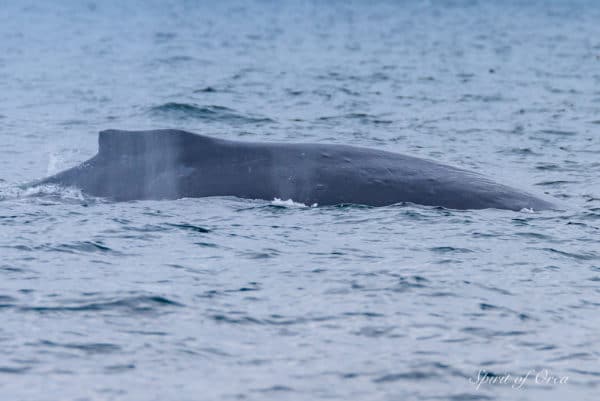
{"type": "Point", "coordinates": [172, 164]}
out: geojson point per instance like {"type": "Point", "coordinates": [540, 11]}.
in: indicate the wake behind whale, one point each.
{"type": "Point", "coordinates": [172, 164]}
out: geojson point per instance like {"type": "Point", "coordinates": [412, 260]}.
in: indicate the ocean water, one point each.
{"type": "Point", "coordinates": [232, 299]}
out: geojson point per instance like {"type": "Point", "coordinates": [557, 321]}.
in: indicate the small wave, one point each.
{"type": "Point", "coordinates": [164, 36]}
{"type": "Point", "coordinates": [188, 227]}
{"type": "Point", "coordinates": [73, 123]}
{"type": "Point", "coordinates": [207, 89]}
{"type": "Point", "coordinates": [137, 304]}
{"type": "Point", "coordinates": [450, 249]}
{"type": "Point", "coordinates": [412, 375]}
{"type": "Point", "coordinates": [119, 368]}
{"type": "Point", "coordinates": [357, 206]}
{"type": "Point", "coordinates": [6, 298]}
{"type": "Point", "coordinates": [363, 118]}
{"type": "Point", "coordinates": [557, 182]}
{"type": "Point", "coordinates": [81, 247]}
{"type": "Point", "coordinates": [579, 256]}
{"type": "Point", "coordinates": [274, 320]}
{"type": "Point", "coordinates": [520, 151]}
{"type": "Point", "coordinates": [176, 59]}
{"type": "Point", "coordinates": [557, 132]}
{"type": "Point", "coordinates": [586, 372]}
{"type": "Point", "coordinates": [275, 389]}
{"type": "Point", "coordinates": [209, 113]}
{"type": "Point", "coordinates": [549, 167]}
{"type": "Point", "coordinates": [88, 348]}
{"type": "Point", "coordinates": [376, 331]}
{"type": "Point", "coordinates": [533, 235]}
{"type": "Point", "coordinates": [14, 370]}
{"type": "Point", "coordinates": [483, 98]}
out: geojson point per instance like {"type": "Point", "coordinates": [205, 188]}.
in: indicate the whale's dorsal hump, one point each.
{"type": "Point", "coordinates": [117, 143]}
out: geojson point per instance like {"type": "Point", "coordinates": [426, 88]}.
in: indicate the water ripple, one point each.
{"type": "Point", "coordinates": [211, 113]}
{"type": "Point", "coordinates": [88, 348]}
{"type": "Point", "coordinates": [136, 304]}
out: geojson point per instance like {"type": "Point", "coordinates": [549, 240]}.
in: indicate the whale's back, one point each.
{"type": "Point", "coordinates": [334, 174]}
{"type": "Point", "coordinates": [171, 164]}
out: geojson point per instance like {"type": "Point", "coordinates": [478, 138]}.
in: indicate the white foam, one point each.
{"type": "Point", "coordinates": [66, 193]}
{"type": "Point", "coordinates": [290, 203]}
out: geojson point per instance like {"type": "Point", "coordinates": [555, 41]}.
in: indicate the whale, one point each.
{"type": "Point", "coordinates": [171, 164]}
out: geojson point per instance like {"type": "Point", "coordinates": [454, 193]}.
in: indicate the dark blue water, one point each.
{"type": "Point", "coordinates": [223, 298]}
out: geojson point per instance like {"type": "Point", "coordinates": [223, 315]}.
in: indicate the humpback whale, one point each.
{"type": "Point", "coordinates": [172, 164]}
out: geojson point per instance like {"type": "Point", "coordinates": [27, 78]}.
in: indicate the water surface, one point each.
{"type": "Point", "coordinates": [223, 298]}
